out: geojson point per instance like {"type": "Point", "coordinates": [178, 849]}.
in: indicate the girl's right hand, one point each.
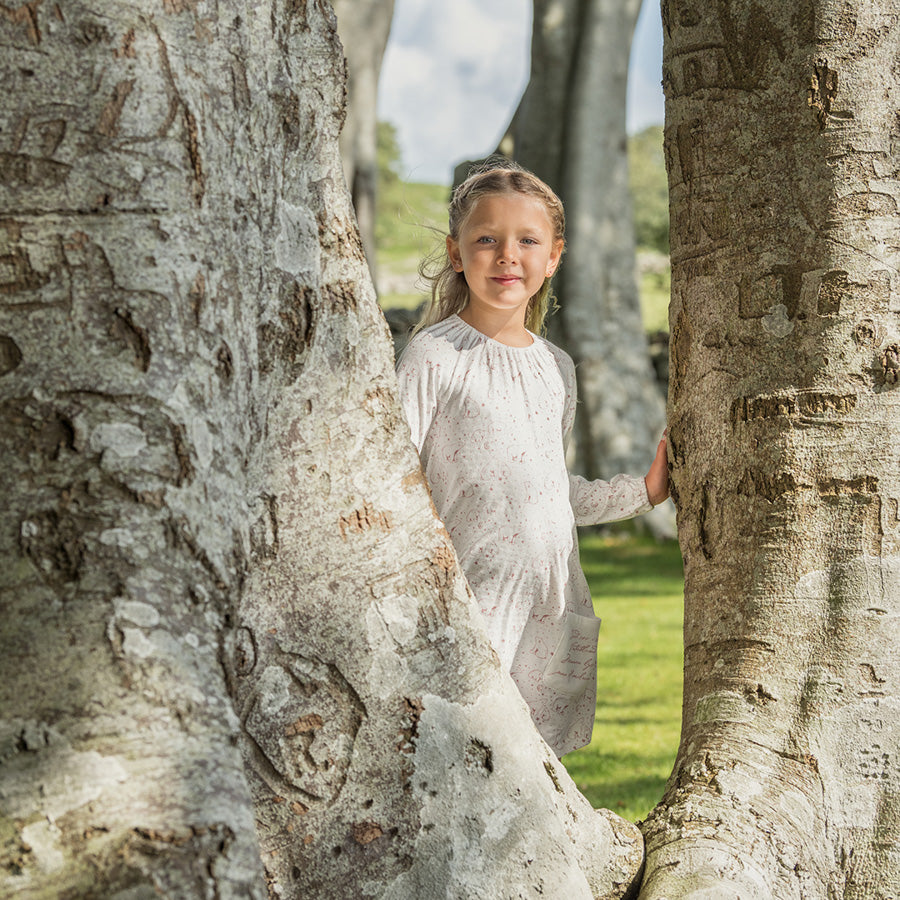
{"type": "Point", "coordinates": [657, 479]}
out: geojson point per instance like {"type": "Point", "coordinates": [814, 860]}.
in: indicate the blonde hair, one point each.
{"type": "Point", "coordinates": [449, 290]}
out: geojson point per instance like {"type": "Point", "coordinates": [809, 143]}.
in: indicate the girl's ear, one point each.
{"type": "Point", "coordinates": [555, 257]}
{"type": "Point", "coordinates": [454, 254]}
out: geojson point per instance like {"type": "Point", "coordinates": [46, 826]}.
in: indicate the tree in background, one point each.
{"type": "Point", "coordinates": [570, 129]}
{"type": "Point", "coordinates": [388, 152]}
{"type": "Point", "coordinates": [226, 596]}
{"type": "Point", "coordinates": [782, 137]}
{"type": "Point", "coordinates": [364, 26]}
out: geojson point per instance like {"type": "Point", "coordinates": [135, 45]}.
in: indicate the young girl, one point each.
{"type": "Point", "coordinates": [491, 405]}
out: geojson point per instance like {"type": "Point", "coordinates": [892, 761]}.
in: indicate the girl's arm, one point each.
{"type": "Point", "coordinates": [598, 501]}
{"type": "Point", "coordinates": [417, 381]}
{"type": "Point", "coordinates": [624, 496]}
{"type": "Point", "coordinates": [595, 502]}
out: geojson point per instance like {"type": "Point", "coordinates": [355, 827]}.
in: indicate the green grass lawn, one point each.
{"type": "Point", "coordinates": [637, 586]}
{"type": "Point", "coordinates": [655, 289]}
{"type": "Point", "coordinates": [411, 224]}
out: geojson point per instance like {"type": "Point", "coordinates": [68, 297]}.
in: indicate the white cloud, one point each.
{"type": "Point", "coordinates": [454, 71]}
{"type": "Point", "coordinates": [452, 77]}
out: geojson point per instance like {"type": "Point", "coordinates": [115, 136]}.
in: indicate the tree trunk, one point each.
{"type": "Point", "coordinates": [782, 142]}
{"type": "Point", "coordinates": [226, 594]}
{"type": "Point", "coordinates": [570, 130]}
{"type": "Point", "coordinates": [364, 26]}
{"type": "Point", "coordinates": [131, 260]}
{"type": "Point", "coordinates": [387, 752]}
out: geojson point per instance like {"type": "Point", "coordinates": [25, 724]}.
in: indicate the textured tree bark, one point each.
{"type": "Point", "coordinates": [227, 601]}
{"type": "Point", "coordinates": [387, 753]}
{"type": "Point", "coordinates": [570, 130]}
{"type": "Point", "coordinates": [782, 137]}
{"type": "Point", "coordinates": [364, 26]}
{"type": "Point", "coordinates": [131, 252]}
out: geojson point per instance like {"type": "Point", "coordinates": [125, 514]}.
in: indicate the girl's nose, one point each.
{"type": "Point", "coordinates": [508, 252]}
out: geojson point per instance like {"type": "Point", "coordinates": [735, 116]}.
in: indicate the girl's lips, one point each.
{"type": "Point", "coordinates": [506, 279]}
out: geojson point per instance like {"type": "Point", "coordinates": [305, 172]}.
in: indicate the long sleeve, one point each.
{"type": "Point", "coordinates": [599, 501]}
{"type": "Point", "coordinates": [417, 379]}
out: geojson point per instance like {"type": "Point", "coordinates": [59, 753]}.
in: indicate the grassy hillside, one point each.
{"type": "Point", "coordinates": [412, 222]}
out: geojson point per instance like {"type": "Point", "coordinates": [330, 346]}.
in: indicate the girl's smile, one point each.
{"type": "Point", "coordinates": [505, 250]}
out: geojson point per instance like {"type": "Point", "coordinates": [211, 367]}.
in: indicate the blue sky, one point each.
{"type": "Point", "coordinates": [453, 74]}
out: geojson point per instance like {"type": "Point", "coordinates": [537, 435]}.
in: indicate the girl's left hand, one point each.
{"type": "Point", "coordinates": [657, 479]}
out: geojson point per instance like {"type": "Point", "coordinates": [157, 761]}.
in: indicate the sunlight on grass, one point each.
{"type": "Point", "coordinates": [638, 589]}
{"type": "Point", "coordinates": [655, 289]}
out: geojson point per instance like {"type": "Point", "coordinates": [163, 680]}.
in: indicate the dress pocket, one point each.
{"type": "Point", "coordinates": [573, 666]}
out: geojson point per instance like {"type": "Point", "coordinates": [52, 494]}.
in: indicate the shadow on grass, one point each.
{"type": "Point", "coordinates": [632, 798]}
{"type": "Point", "coordinates": [638, 588]}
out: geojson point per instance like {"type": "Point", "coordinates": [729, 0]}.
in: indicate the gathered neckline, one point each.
{"type": "Point", "coordinates": [494, 341]}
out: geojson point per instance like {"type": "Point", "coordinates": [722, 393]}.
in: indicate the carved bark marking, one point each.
{"type": "Point", "coordinates": [197, 294]}
{"type": "Point", "coordinates": [126, 49]}
{"type": "Point", "coordinates": [823, 86]}
{"type": "Point", "coordinates": [54, 543]}
{"type": "Point", "coordinates": [182, 454]}
{"type": "Point", "coordinates": [412, 712]}
{"type": "Point", "coordinates": [16, 271]}
{"type": "Point", "coordinates": [869, 334]}
{"type": "Point", "coordinates": [863, 487]}
{"type": "Point", "coordinates": [125, 329]}
{"type": "Point", "coordinates": [17, 169]}
{"type": "Point", "coordinates": [176, 103]}
{"type": "Point", "coordinates": [753, 38]}
{"type": "Point", "coordinates": [702, 516]}
{"type": "Point", "coordinates": [10, 354]}
{"type": "Point", "coordinates": [807, 403]}
{"type": "Point", "coordinates": [224, 363]}
{"type": "Point", "coordinates": [174, 7]}
{"type": "Point", "coordinates": [364, 519]}
{"type": "Point", "coordinates": [412, 480]}
{"type": "Point", "coordinates": [108, 124]}
{"type": "Point", "coordinates": [306, 735]}
{"type": "Point", "coordinates": [304, 725]}
{"type": "Point", "coordinates": [814, 403]}
{"type": "Point", "coordinates": [240, 90]}
{"type": "Point", "coordinates": [288, 339]}
{"type": "Point", "coordinates": [366, 832]}
{"type": "Point", "coordinates": [479, 756]}
{"type": "Point", "coordinates": [771, 488]}
{"type": "Point", "coordinates": [890, 364]}
{"type": "Point", "coordinates": [444, 558]}
{"type": "Point", "coordinates": [870, 676]}
{"type": "Point", "coordinates": [264, 530]}
{"type": "Point", "coordinates": [780, 285]}
{"type": "Point", "coordinates": [25, 15]}
{"type": "Point", "coordinates": [551, 772]}
{"type": "Point", "coordinates": [193, 148]}
{"type": "Point", "coordinates": [51, 135]}
{"type": "Point", "coordinates": [746, 409]}
{"type": "Point", "coordinates": [245, 651]}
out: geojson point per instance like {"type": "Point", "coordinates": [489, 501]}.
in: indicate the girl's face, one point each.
{"type": "Point", "coordinates": [505, 249]}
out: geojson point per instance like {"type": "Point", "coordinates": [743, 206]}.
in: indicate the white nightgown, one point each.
{"type": "Point", "coordinates": [490, 423]}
